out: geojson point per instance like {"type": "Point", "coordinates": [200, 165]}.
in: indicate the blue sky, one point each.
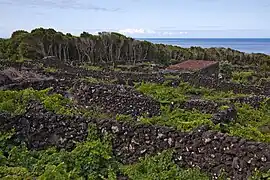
{"type": "Point", "coordinates": [141, 18]}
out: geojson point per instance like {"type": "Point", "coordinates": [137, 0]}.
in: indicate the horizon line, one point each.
{"type": "Point", "coordinates": [201, 37]}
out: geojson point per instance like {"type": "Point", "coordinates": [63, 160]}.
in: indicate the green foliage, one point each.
{"type": "Point", "coordinates": [243, 77]}
{"type": "Point", "coordinates": [224, 107]}
{"type": "Point", "coordinates": [13, 44]}
{"type": "Point", "coordinates": [220, 96]}
{"type": "Point", "coordinates": [166, 94]}
{"type": "Point", "coordinates": [91, 80]}
{"type": "Point", "coordinates": [226, 68]}
{"type": "Point", "coordinates": [252, 124]}
{"type": "Point", "coordinates": [161, 167]}
{"type": "Point", "coordinates": [92, 159]}
{"type": "Point", "coordinates": [3, 48]}
{"type": "Point", "coordinates": [260, 175]}
{"type": "Point", "coordinates": [97, 81]}
{"type": "Point", "coordinates": [163, 93]}
{"type": "Point", "coordinates": [50, 69]}
{"type": "Point", "coordinates": [42, 42]}
{"type": "Point", "coordinates": [262, 80]}
{"type": "Point", "coordinates": [18, 33]}
{"type": "Point", "coordinates": [92, 68]}
{"type": "Point", "coordinates": [12, 173]}
{"type": "Point", "coordinates": [181, 119]}
{"type": "Point", "coordinates": [15, 102]}
{"type": "Point", "coordinates": [122, 117]}
{"type": "Point", "coordinates": [170, 76]}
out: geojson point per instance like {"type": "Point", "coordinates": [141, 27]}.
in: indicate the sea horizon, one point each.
{"type": "Point", "coordinates": [247, 45]}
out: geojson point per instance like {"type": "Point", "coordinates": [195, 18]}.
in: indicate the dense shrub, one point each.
{"type": "Point", "coordinates": [161, 167]}
{"type": "Point", "coordinates": [113, 48]}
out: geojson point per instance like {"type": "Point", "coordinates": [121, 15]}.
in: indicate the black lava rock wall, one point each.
{"type": "Point", "coordinates": [209, 150]}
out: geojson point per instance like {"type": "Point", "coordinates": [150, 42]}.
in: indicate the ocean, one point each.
{"type": "Point", "coordinates": [254, 45]}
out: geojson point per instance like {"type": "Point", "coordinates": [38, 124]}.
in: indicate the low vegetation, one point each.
{"type": "Point", "coordinates": [92, 159]}
{"type": "Point", "coordinates": [252, 124]}
{"type": "Point", "coordinates": [161, 167]}
{"type": "Point", "coordinates": [181, 119]}
{"type": "Point", "coordinates": [16, 102]}
{"type": "Point", "coordinates": [184, 91]}
{"type": "Point", "coordinates": [50, 69]}
{"type": "Point", "coordinates": [243, 77]}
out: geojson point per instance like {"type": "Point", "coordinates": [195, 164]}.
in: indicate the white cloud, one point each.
{"type": "Point", "coordinates": [183, 32]}
{"type": "Point", "coordinates": [132, 31]}
{"type": "Point", "coordinates": [166, 33]}
{"type": "Point", "coordinates": [135, 32]}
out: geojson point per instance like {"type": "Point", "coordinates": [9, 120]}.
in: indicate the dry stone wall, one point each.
{"type": "Point", "coordinates": [117, 99]}
{"type": "Point", "coordinates": [211, 151]}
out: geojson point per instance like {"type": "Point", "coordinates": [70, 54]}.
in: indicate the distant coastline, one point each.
{"type": "Point", "coordinates": [248, 45]}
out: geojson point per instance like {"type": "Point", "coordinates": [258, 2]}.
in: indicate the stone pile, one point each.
{"type": "Point", "coordinates": [11, 75]}
{"type": "Point", "coordinates": [243, 89]}
{"type": "Point", "coordinates": [67, 70]}
{"type": "Point", "coordinates": [41, 129]}
{"type": "Point", "coordinates": [225, 116]}
{"type": "Point", "coordinates": [116, 99]}
{"type": "Point", "coordinates": [254, 101]}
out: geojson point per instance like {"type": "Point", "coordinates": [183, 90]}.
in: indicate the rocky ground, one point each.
{"type": "Point", "coordinates": [115, 95]}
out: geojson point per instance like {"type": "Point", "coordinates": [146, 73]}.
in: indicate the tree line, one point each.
{"type": "Point", "coordinates": [112, 48]}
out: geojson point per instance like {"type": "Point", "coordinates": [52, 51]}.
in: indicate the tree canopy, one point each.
{"type": "Point", "coordinates": [112, 47]}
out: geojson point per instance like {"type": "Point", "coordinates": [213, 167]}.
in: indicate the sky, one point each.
{"type": "Point", "coordinates": [141, 18]}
